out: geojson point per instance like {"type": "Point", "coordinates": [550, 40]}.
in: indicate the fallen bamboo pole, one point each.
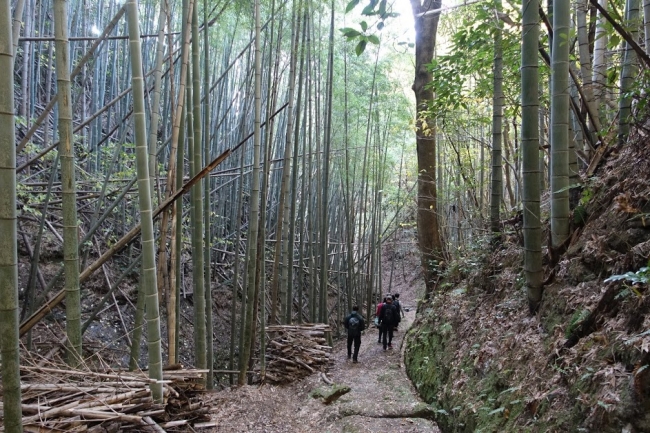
{"type": "Point", "coordinates": [126, 239]}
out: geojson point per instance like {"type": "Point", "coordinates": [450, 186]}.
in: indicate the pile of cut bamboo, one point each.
{"type": "Point", "coordinates": [111, 401]}
{"type": "Point", "coordinates": [296, 351]}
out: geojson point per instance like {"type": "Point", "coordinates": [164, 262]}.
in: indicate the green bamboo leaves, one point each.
{"type": "Point", "coordinates": [377, 8]}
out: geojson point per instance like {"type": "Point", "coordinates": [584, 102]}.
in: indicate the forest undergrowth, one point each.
{"type": "Point", "coordinates": [582, 363]}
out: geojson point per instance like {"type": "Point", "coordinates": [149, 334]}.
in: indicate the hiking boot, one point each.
{"type": "Point", "coordinates": [390, 346]}
{"type": "Point", "coordinates": [354, 361]}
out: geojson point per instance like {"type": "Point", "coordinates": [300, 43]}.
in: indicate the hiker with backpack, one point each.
{"type": "Point", "coordinates": [387, 321]}
{"type": "Point", "coordinates": [377, 313]}
{"type": "Point", "coordinates": [400, 312]}
{"type": "Point", "coordinates": [354, 323]}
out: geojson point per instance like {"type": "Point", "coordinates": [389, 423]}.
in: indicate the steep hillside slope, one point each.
{"type": "Point", "coordinates": [583, 362]}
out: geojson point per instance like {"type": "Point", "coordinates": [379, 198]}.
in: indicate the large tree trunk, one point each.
{"type": "Point", "coordinates": [8, 242]}
{"type": "Point", "coordinates": [560, 124]}
{"type": "Point", "coordinates": [628, 72]}
{"type": "Point", "coordinates": [429, 239]}
{"type": "Point", "coordinates": [70, 236]}
{"type": "Point", "coordinates": [497, 134]}
{"type": "Point", "coordinates": [150, 286]}
{"type": "Point", "coordinates": [530, 149]}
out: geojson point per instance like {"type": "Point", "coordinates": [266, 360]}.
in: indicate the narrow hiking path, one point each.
{"type": "Point", "coordinates": [381, 397]}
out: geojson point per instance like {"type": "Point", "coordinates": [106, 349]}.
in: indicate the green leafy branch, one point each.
{"type": "Point", "coordinates": [642, 276]}
{"type": "Point", "coordinates": [374, 8]}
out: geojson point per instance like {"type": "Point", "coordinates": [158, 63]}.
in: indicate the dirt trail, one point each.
{"type": "Point", "coordinates": [381, 398]}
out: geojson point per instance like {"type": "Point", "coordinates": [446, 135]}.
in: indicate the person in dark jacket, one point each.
{"type": "Point", "coordinates": [377, 313]}
{"type": "Point", "coordinates": [400, 313]}
{"type": "Point", "coordinates": [387, 321]}
{"type": "Point", "coordinates": [354, 323]}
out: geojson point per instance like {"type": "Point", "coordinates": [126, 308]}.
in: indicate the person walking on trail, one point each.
{"type": "Point", "coordinates": [400, 312]}
{"type": "Point", "coordinates": [354, 323]}
{"type": "Point", "coordinates": [387, 321]}
{"type": "Point", "coordinates": [377, 313]}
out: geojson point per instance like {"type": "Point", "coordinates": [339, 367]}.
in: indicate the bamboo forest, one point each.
{"type": "Point", "coordinates": [325, 216]}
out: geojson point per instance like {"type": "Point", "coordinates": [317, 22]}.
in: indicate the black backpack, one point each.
{"type": "Point", "coordinates": [388, 314]}
{"type": "Point", "coordinates": [398, 307]}
{"type": "Point", "coordinates": [354, 325]}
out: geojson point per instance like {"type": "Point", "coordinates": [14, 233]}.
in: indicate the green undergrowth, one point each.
{"type": "Point", "coordinates": [485, 365]}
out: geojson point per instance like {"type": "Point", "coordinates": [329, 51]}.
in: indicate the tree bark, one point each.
{"type": "Point", "coordinates": [497, 122]}
{"type": "Point", "coordinates": [8, 233]}
{"type": "Point", "coordinates": [429, 239]}
{"type": "Point", "coordinates": [530, 148]}
{"type": "Point", "coordinates": [68, 184]}
{"type": "Point", "coordinates": [560, 124]}
{"type": "Point", "coordinates": [150, 287]}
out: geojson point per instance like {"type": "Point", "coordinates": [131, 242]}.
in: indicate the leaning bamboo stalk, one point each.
{"type": "Point", "coordinates": [629, 37]}
{"type": "Point", "coordinates": [128, 237]}
{"type": "Point", "coordinates": [81, 125]}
